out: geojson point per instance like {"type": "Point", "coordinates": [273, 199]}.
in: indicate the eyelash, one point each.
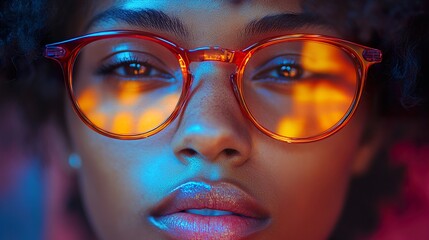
{"type": "Point", "coordinates": [108, 68]}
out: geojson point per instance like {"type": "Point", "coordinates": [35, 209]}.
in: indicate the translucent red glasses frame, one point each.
{"type": "Point", "coordinates": [66, 52]}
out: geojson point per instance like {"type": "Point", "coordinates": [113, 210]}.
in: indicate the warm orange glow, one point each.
{"type": "Point", "coordinates": [123, 123]}
{"type": "Point", "coordinates": [98, 119]}
{"type": "Point", "coordinates": [329, 119]}
{"type": "Point", "coordinates": [316, 107]}
{"type": "Point", "coordinates": [332, 104]}
{"type": "Point", "coordinates": [327, 58]}
{"type": "Point", "coordinates": [291, 127]}
{"type": "Point", "coordinates": [129, 93]}
{"type": "Point", "coordinates": [302, 93]}
{"type": "Point", "coordinates": [170, 101]}
{"type": "Point", "coordinates": [330, 59]}
{"type": "Point", "coordinates": [328, 93]}
{"type": "Point", "coordinates": [158, 113]}
{"type": "Point", "coordinates": [88, 99]}
{"type": "Point", "coordinates": [150, 119]}
{"type": "Point", "coordinates": [126, 112]}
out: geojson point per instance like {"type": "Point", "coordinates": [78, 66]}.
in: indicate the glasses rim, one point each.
{"type": "Point", "coordinates": [66, 52]}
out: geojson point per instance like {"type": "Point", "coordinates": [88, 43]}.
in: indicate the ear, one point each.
{"type": "Point", "coordinates": [372, 140]}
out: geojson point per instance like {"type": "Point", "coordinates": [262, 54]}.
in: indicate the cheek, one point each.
{"type": "Point", "coordinates": [308, 183]}
{"type": "Point", "coordinates": [119, 189]}
{"type": "Point", "coordinates": [120, 180]}
{"type": "Point", "coordinates": [310, 193]}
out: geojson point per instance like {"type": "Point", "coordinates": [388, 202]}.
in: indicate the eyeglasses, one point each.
{"type": "Point", "coordinates": [294, 88]}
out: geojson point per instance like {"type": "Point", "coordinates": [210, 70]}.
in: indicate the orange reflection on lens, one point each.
{"type": "Point", "coordinates": [291, 127]}
{"type": "Point", "coordinates": [332, 104]}
{"type": "Point", "coordinates": [129, 92]}
{"type": "Point", "coordinates": [323, 57]}
{"type": "Point", "coordinates": [302, 93]}
{"type": "Point", "coordinates": [150, 119]}
{"type": "Point", "coordinates": [98, 119]}
{"type": "Point", "coordinates": [156, 115]}
{"type": "Point", "coordinates": [123, 123]}
{"type": "Point", "coordinates": [88, 100]}
{"type": "Point", "coordinates": [296, 121]}
{"type": "Point", "coordinates": [316, 107]}
{"type": "Point", "coordinates": [328, 59]}
{"type": "Point", "coordinates": [170, 101]}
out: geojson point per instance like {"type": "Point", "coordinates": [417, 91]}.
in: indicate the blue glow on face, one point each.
{"type": "Point", "coordinates": [138, 4]}
{"type": "Point", "coordinates": [194, 187]}
{"type": "Point", "coordinates": [196, 5]}
{"type": "Point", "coordinates": [195, 128]}
{"type": "Point", "coordinates": [215, 173]}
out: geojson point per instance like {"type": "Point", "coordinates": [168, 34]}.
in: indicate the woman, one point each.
{"type": "Point", "coordinates": [168, 145]}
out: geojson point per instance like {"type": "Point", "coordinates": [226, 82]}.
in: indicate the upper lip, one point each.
{"type": "Point", "coordinates": [216, 196]}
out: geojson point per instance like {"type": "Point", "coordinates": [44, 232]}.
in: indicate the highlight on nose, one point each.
{"type": "Point", "coordinates": [210, 142]}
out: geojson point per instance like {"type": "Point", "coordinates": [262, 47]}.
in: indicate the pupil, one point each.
{"type": "Point", "coordinates": [137, 69]}
{"type": "Point", "coordinates": [289, 71]}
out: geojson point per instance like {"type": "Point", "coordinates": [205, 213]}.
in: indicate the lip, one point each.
{"type": "Point", "coordinates": [232, 212]}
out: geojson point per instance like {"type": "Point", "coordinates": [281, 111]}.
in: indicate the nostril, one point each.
{"type": "Point", "coordinates": [189, 152]}
{"type": "Point", "coordinates": [231, 152]}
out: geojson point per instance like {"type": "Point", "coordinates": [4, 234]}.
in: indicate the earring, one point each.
{"type": "Point", "coordinates": [74, 161]}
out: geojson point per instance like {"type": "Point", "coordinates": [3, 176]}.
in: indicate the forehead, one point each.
{"type": "Point", "coordinates": [202, 21]}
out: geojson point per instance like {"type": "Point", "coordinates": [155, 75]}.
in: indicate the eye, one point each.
{"type": "Point", "coordinates": [289, 71]}
{"type": "Point", "coordinates": [280, 70]}
{"type": "Point", "coordinates": [133, 69]}
{"type": "Point", "coordinates": [283, 72]}
{"type": "Point", "coordinates": [134, 66]}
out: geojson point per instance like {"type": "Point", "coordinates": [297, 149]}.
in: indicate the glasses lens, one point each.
{"type": "Point", "coordinates": [300, 89]}
{"type": "Point", "coordinates": [126, 86]}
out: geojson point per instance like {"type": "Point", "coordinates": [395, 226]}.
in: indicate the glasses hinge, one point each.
{"type": "Point", "coordinates": [372, 55]}
{"type": "Point", "coordinates": [54, 52]}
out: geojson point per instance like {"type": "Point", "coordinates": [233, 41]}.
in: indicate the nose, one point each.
{"type": "Point", "coordinates": [211, 126]}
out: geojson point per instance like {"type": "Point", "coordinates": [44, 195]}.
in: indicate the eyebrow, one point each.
{"type": "Point", "coordinates": [155, 19]}
{"type": "Point", "coordinates": [144, 18]}
{"type": "Point", "coordinates": [281, 22]}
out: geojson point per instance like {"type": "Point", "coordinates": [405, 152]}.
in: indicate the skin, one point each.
{"type": "Point", "coordinates": [302, 186]}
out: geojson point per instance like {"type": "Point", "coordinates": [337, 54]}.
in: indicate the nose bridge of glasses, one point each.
{"type": "Point", "coordinates": [211, 54]}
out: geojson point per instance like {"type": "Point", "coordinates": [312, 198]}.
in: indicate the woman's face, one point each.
{"type": "Point", "coordinates": [211, 157]}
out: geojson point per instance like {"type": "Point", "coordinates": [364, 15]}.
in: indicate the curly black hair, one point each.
{"type": "Point", "coordinates": [399, 28]}
{"type": "Point", "coordinates": [26, 25]}
{"type": "Point", "coordinates": [22, 28]}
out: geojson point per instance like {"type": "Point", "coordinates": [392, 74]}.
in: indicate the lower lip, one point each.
{"type": "Point", "coordinates": [184, 225]}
